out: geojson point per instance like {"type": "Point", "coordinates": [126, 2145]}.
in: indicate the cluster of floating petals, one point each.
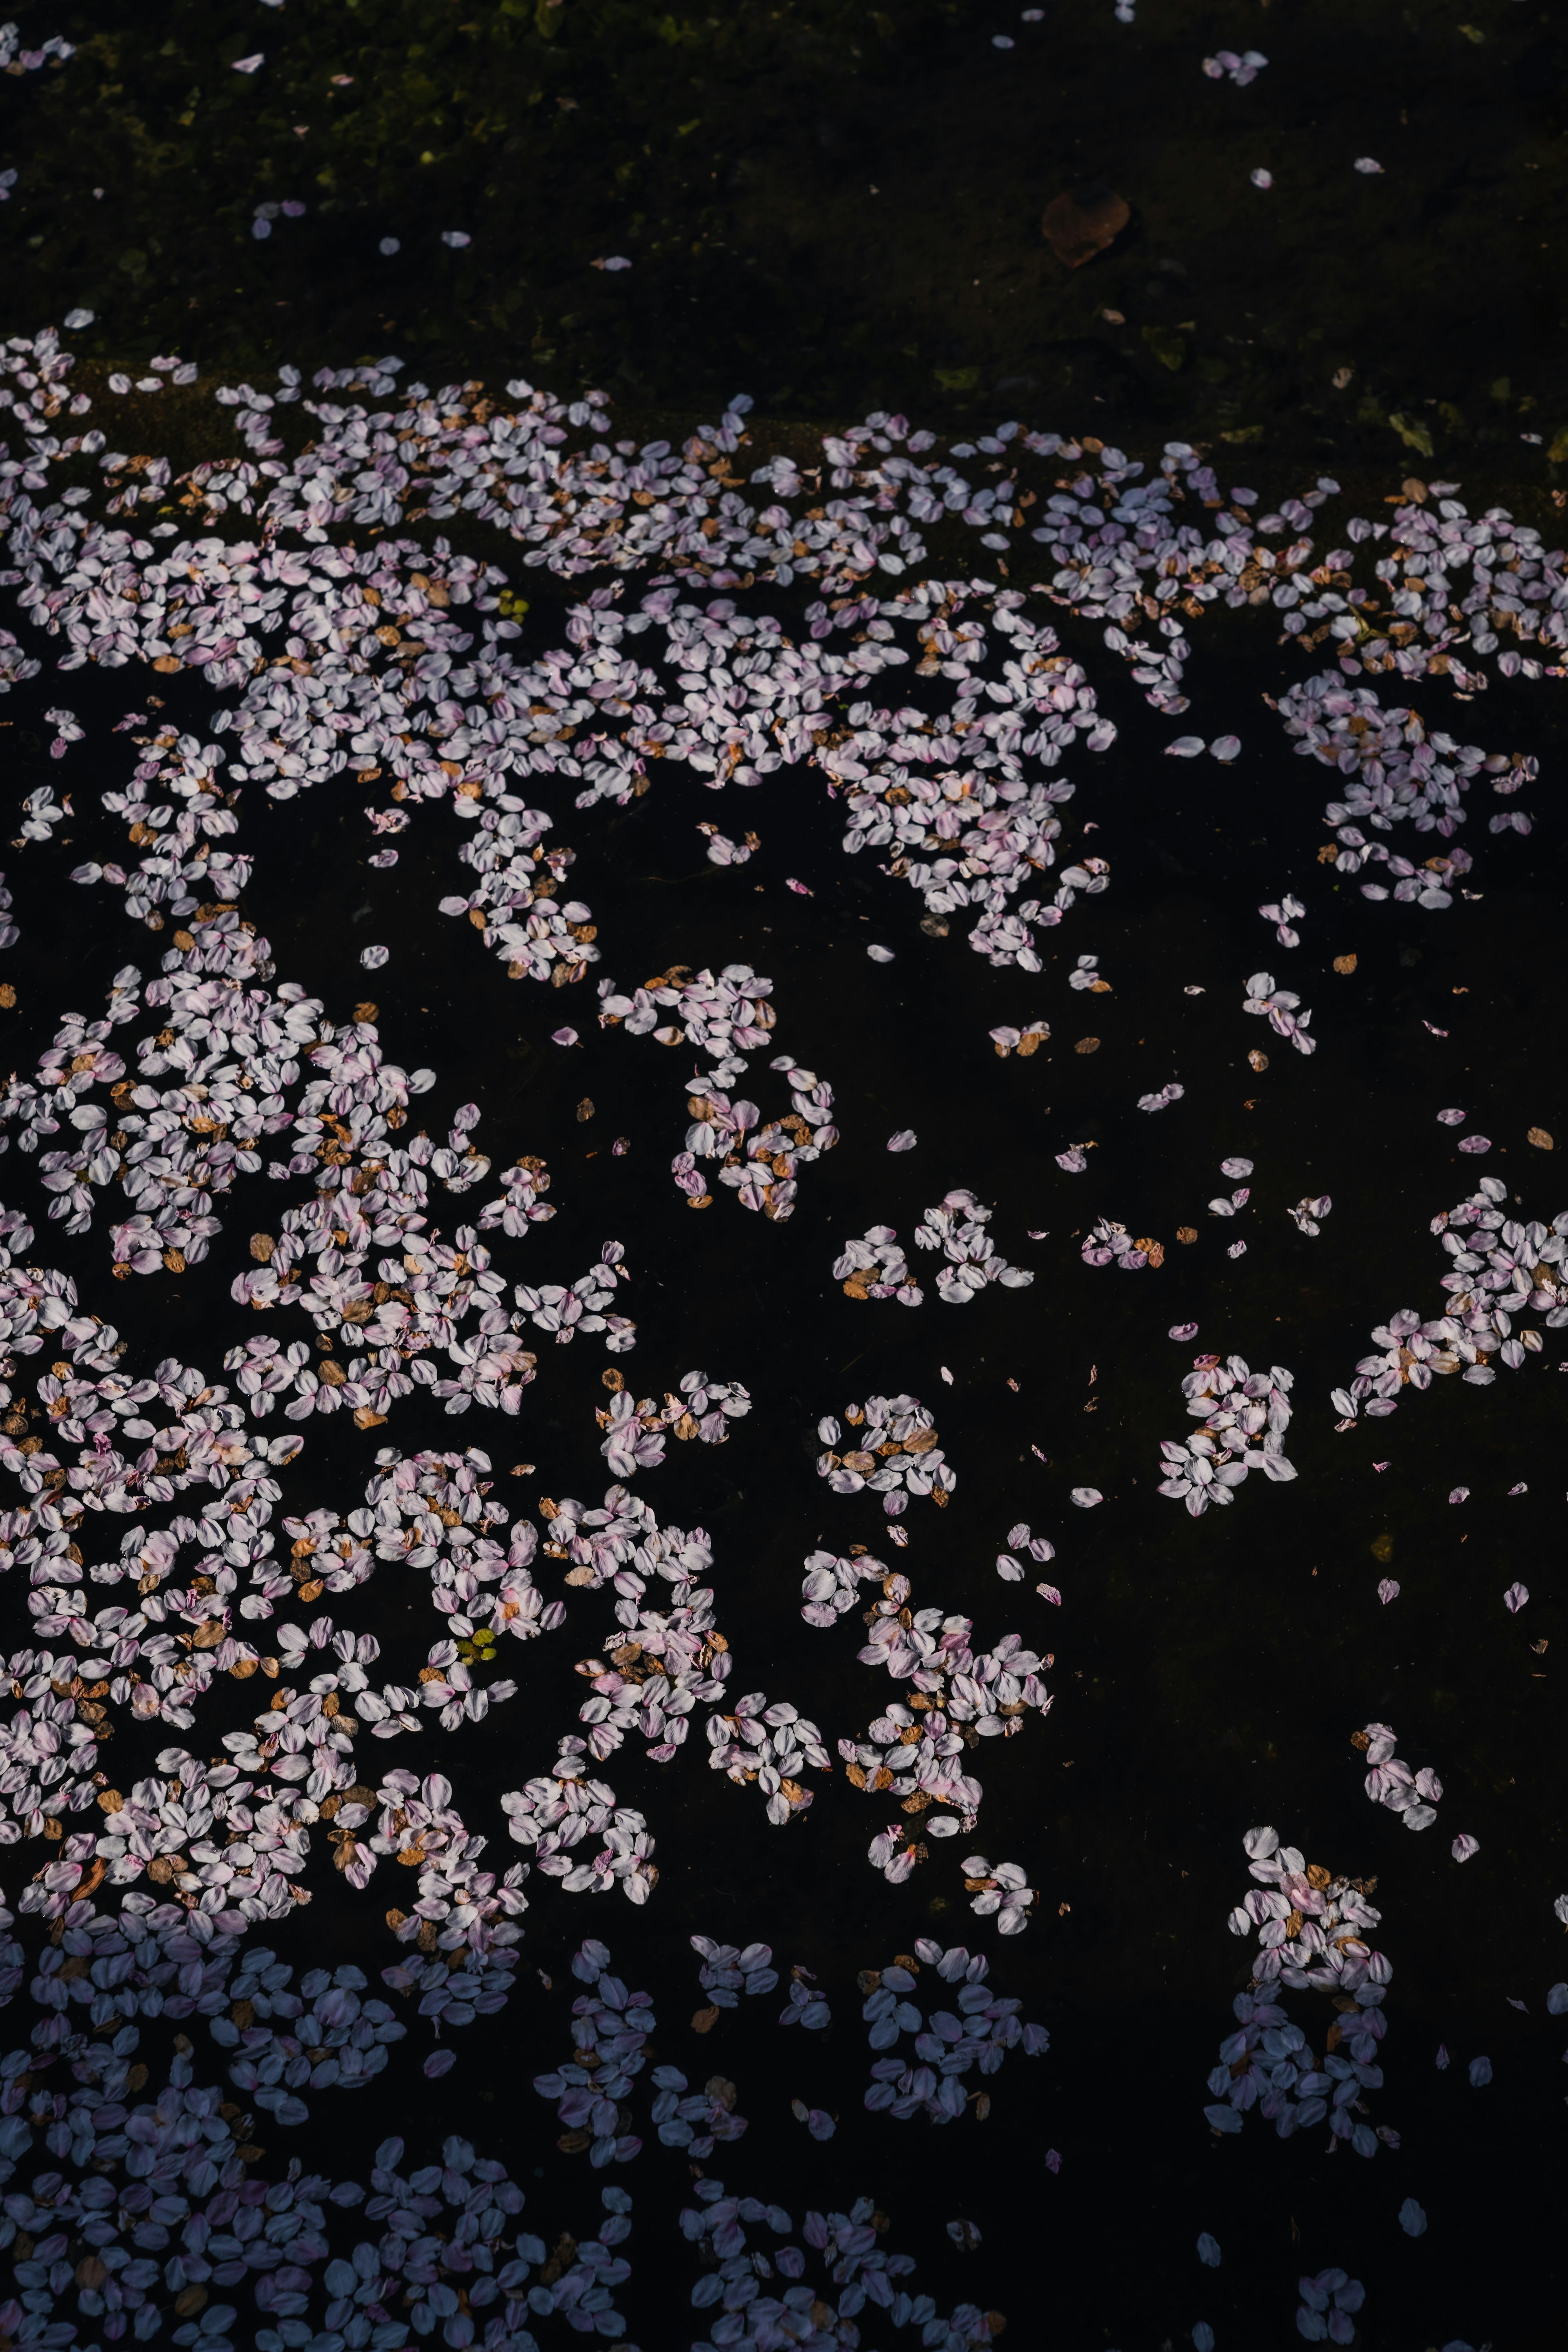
{"type": "Point", "coordinates": [1400, 772]}
{"type": "Point", "coordinates": [768, 1746]}
{"type": "Point", "coordinates": [1226, 65]}
{"type": "Point", "coordinates": [875, 1267]}
{"type": "Point", "coordinates": [1108, 1242]}
{"type": "Point", "coordinates": [1313, 1931]}
{"type": "Point", "coordinates": [635, 1428]}
{"type": "Point", "coordinates": [956, 1227]}
{"type": "Point", "coordinates": [853, 2268]}
{"type": "Point", "coordinates": [1501, 1269]}
{"type": "Point", "coordinates": [1390, 1782]}
{"type": "Point", "coordinates": [1000, 1890]}
{"type": "Point", "coordinates": [1284, 915]}
{"type": "Point", "coordinates": [1328, 2303]}
{"type": "Point", "coordinates": [1308, 1213]}
{"type": "Point", "coordinates": [1244, 1416]}
{"type": "Point", "coordinates": [898, 1453]}
{"type": "Point", "coordinates": [758, 1162]}
{"type": "Point", "coordinates": [978, 2030]}
{"type": "Point", "coordinates": [1263, 996]}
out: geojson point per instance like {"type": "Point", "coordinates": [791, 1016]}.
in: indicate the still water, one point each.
{"type": "Point", "coordinates": [434, 1188]}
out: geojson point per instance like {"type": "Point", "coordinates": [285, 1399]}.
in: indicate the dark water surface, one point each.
{"type": "Point", "coordinates": [1207, 1673]}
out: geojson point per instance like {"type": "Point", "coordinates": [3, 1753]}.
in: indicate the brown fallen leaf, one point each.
{"type": "Point", "coordinates": [1186, 1232]}
{"type": "Point", "coordinates": [1344, 964]}
{"type": "Point", "coordinates": [1083, 221]}
{"type": "Point", "coordinates": [705, 2021]}
{"type": "Point", "coordinates": [1086, 1046]}
{"type": "Point", "coordinates": [1542, 1140]}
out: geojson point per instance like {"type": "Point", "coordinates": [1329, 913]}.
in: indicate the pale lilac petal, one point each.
{"type": "Point", "coordinates": [1515, 1598]}
{"type": "Point", "coordinates": [1459, 1494]}
{"type": "Point", "coordinates": [1086, 1498]}
{"type": "Point", "coordinates": [1183, 1331]}
{"type": "Point", "coordinates": [1225, 747]}
{"type": "Point", "coordinates": [1464, 1846]}
{"type": "Point", "coordinates": [440, 2062]}
{"type": "Point", "coordinates": [1185, 747]}
{"type": "Point", "coordinates": [1387, 1591]}
{"type": "Point", "coordinates": [1452, 1118]}
{"type": "Point", "coordinates": [881, 954]}
{"type": "Point", "coordinates": [564, 1037]}
{"type": "Point", "coordinates": [903, 1141]}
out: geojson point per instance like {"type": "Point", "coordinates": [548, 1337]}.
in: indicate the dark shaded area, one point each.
{"type": "Point", "coordinates": [835, 208]}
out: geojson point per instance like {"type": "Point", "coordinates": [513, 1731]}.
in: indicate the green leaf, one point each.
{"type": "Point", "coordinates": [957, 379]}
{"type": "Point", "coordinates": [1412, 432]}
{"type": "Point", "coordinates": [1169, 348]}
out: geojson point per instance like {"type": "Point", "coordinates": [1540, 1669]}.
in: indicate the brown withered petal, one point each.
{"type": "Point", "coordinates": [1186, 1232]}
{"type": "Point", "coordinates": [1258, 1059]}
{"type": "Point", "coordinates": [705, 2021]}
{"type": "Point", "coordinates": [1083, 221]}
{"type": "Point", "coordinates": [585, 1110]}
{"type": "Point", "coordinates": [261, 1248]}
{"type": "Point", "coordinates": [1344, 964]}
{"type": "Point", "coordinates": [1542, 1140]}
{"type": "Point", "coordinates": [1086, 1046]}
